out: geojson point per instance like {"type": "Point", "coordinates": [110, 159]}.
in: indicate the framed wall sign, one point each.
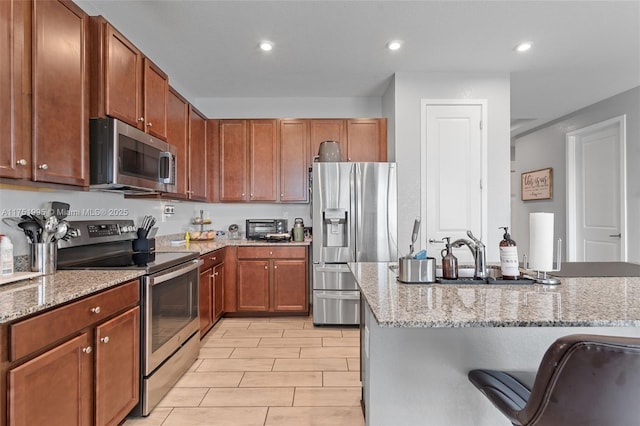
{"type": "Point", "coordinates": [537, 185]}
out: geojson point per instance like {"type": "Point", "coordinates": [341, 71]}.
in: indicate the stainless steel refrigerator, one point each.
{"type": "Point", "coordinates": [354, 216]}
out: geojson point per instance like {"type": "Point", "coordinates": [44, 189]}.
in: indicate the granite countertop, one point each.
{"type": "Point", "coordinates": [204, 247]}
{"type": "Point", "coordinates": [587, 302]}
{"type": "Point", "coordinates": [26, 297]}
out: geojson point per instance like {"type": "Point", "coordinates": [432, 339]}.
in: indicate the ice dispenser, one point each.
{"type": "Point", "coordinates": [335, 227]}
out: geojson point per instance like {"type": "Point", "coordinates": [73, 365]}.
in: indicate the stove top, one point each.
{"type": "Point", "coordinates": [149, 262]}
{"type": "Point", "coordinates": [108, 244]}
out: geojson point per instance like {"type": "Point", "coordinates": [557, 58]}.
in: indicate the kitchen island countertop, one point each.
{"type": "Point", "coordinates": [588, 302]}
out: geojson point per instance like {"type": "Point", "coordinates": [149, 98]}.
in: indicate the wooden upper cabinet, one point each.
{"type": "Point", "coordinates": [263, 159]}
{"type": "Point", "coordinates": [60, 93]}
{"type": "Point", "coordinates": [294, 142]}
{"type": "Point", "coordinates": [233, 148]}
{"type": "Point", "coordinates": [124, 84]}
{"type": "Point", "coordinates": [116, 68]}
{"type": "Point", "coordinates": [197, 156]}
{"type": "Point", "coordinates": [367, 139]}
{"type": "Point", "coordinates": [15, 77]}
{"type": "Point", "coordinates": [326, 130]}
{"type": "Point", "coordinates": [156, 94]}
{"type": "Point", "coordinates": [177, 135]}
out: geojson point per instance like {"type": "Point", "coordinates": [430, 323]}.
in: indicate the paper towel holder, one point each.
{"type": "Point", "coordinates": [541, 276]}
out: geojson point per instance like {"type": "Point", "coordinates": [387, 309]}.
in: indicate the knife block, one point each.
{"type": "Point", "coordinates": [144, 245]}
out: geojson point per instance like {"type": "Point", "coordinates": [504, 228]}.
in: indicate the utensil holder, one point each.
{"type": "Point", "coordinates": [144, 244]}
{"type": "Point", "coordinates": [416, 270]}
{"type": "Point", "coordinates": [43, 257]}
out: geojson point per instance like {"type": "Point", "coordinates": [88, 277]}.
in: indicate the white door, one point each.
{"type": "Point", "coordinates": [452, 176]}
{"type": "Point", "coordinates": [595, 202]}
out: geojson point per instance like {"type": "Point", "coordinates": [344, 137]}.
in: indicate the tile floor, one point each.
{"type": "Point", "coordinates": [267, 372]}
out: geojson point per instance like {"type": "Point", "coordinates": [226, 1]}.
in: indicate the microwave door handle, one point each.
{"type": "Point", "coordinates": [165, 159]}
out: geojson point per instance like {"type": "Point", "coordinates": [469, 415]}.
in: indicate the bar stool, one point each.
{"type": "Point", "coordinates": [582, 380]}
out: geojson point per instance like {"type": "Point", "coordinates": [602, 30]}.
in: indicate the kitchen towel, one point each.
{"type": "Point", "coordinates": [541, 241]}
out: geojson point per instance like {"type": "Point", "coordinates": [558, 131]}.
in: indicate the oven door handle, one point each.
{"type": "Point", "coordinates": [160, 278]}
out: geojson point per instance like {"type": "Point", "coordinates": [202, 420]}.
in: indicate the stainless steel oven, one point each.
{"type": "Point", "coordinates": [171, 341]}
{"type": "Point", "coordinates": [170, 338]}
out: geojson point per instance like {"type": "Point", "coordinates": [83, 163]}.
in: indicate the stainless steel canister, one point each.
{"type": "Point", "coordinates": [43, 257]}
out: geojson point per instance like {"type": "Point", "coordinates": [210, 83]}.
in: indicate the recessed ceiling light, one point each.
{"type": "Point", "coordinates": [394, 45]}
{"type": "Point", "coordinates": [524, 46]}
{"type": "Point", "coordinates": [265, 45]}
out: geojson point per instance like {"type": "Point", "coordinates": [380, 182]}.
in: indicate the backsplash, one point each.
{"type": "Point", "coordinates": [106, 205]}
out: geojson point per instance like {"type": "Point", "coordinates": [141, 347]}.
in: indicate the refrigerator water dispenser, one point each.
{"type": "Point", "coordinates": [335, 227]}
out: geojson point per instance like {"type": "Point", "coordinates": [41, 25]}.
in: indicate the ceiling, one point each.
{"type": "Point", "coordinates": [583, 52]}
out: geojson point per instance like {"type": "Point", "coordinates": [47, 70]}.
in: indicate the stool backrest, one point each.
{"type": "Point", "coordinates": [586, 380]}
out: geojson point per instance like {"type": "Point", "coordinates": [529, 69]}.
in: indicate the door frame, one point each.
{"type": "Point", "coordinates": [571, 146]}
{"type": "Point", "coordinates": [424, 103]}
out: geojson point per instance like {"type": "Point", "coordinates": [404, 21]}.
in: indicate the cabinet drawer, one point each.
{"type": "Point", "coordinates": [271, 252]}
{"type": "Point", "coordinates": [211, 259]}
{"type": "Point", "coordinates": [30, 335]}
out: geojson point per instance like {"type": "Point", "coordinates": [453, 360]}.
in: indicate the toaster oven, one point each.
{"type": "Point", "coordinates": [258, 229]}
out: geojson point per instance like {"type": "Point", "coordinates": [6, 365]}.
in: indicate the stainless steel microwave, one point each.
{"type": "Point", "coordinates": [124, 158]}
{"type": "Point", "coordinates": [258, 229]}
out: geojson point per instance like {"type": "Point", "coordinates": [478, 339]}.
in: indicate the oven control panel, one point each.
{"type": "Point", "coordinates": [103, 230]}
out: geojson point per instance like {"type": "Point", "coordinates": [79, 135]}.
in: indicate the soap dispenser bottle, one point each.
{"type": "Point", "coordinates": [449, 262]}
{"type": "Point", "coordinates": [508, 257]}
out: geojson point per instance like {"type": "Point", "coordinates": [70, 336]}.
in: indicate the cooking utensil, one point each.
{"type": "Point", "coordinates": [61, 231]}
{"type": "Point", "coordinates": [31, 230]}
{"type": "Point", "coordinates": [49, 228]}
{"type": "Point", "coordinates": [414, 235]}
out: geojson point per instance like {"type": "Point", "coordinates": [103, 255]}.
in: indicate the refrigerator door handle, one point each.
{"type": "Point", "coordinates": [339, 269]}
{"type": "Point", "coordinates": [356, 219]}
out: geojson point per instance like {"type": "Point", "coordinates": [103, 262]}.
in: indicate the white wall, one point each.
{"type": "Point", "coordinates": [409, 89]}
{"type": "Point", "coordinates": [546, 147]}
{"type": "Point", "coordinates": [368, 107]}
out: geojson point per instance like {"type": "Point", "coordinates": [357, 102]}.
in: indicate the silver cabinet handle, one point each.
{"type": "Point", "coordinates": [617, 235]}
{"type": "Point", "coordinates": [242, 194]}
{"type": "Point", "coordinates": [141, 119]}
{"type": "Point", "coordinates": [216, 273]}
{"type": "Point", "coordinates": [43, 166]}
{"type": "Point", "coordinates": [266, 267]}
{"type": "Point", "coordinates": [87, 350]}
{"type": "Point", "coordinates": [21, 162]}
{"type": "Point", "coordinates": [282, 194]}
{"type": "Point", "coordinates": [270, 253]}
{"type": "Point", "coordinates": [96, 310]}
{"type": "Point", "coordinates": [275, 266]}
{"type": "Point", "coordinates": [213, 258]}
{"type": "Point", "coordinates": [105, 339]}
{"type": "Point", "coordinates": [149, 124]}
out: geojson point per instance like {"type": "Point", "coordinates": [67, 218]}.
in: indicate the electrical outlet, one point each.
{"type": "Point", "coordinates": [169, 209]}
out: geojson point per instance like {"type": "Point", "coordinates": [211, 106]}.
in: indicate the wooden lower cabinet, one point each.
{"type": "Point", "coordinates": [212, 283]}
{"type": "Point", "coordinates": [87, 375]}
{"type": "Point", "coordinates": [55, 388]}
{"type": "Point", "coordinates": [117, 369]}
{"type": "Point", "coordinates": [272, 279]}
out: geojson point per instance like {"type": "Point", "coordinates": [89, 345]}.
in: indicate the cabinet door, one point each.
{"type": "Point", "coordinates": [205, 300]}
{"type": "Point", "coordinates": [117, 367]}
{"type": "Point", "coordinates": [253, 285]}
{"type": "Point", "coordinates": [123, 78]}
{"type": "Point", "coordinates": [177, 134]}
{"type": "Point", "coordinates": [233, 160]}
{"type": "Point", "coordinates": [197, 156]}
{"type": "Point", "coordinates": [294, 141]}
{"type": "Point", "coordinates": [60, 93]}
{"type": "Point", "coordinates": [15, 145]}
{"type": "Point", "coordinates": [263, 155]}
{"type": "Point", "coordinates": [55, 388]}
{"type": "Point", "coordinates": [326, 130]}
{"type": "Point", "coordinates": [289, 285]}
{"type": "Point", "coordinates": [367, 139]}
{"type": "Point", "coordinates": [156, 92]}
{"type": "Point", "coordinates": [218, 291]}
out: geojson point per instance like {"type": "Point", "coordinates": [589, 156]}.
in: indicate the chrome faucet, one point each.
{"type": "Point", "coordinates": [478, 251]}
